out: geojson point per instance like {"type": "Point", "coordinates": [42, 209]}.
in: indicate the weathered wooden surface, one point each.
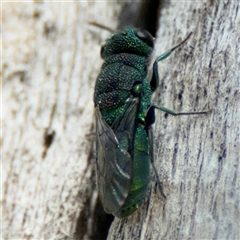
{"type": "Point", "coordinates": [50, 63]}
{"type": "Point", "coordinates": [197, 157]}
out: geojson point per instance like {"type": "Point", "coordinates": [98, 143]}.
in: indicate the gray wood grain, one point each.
{"type": "Point", "coordinates": [197, 157]}
{"type": "Point", "coordinates": [50, 63]}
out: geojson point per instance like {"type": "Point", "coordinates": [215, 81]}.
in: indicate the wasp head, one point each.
{"type": "Point", "coordinates": [131, 40]}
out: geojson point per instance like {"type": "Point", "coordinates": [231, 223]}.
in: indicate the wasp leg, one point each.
{"type": "Point", "coordinates": [155, 77]}
{"type": "Point", "coordinates": [171, 112]}
{"type": "Point", "coordinates": [151, 151]}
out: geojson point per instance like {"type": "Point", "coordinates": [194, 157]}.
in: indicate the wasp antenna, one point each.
{"type": "Point", "coordinates": [181, 43]}
{"type": "Point", "coordinates": [101, 26]}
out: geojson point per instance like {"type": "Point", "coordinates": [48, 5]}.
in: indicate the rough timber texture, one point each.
{"type": "Point", "coordinates": [50, 62]}
{"type": "Point", "coordinates": [197, 157]}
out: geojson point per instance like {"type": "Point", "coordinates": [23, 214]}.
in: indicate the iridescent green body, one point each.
{"type": "Point", "coordinates": [124, 116]}
{"type": "Point", "coordinates": [122, 98]}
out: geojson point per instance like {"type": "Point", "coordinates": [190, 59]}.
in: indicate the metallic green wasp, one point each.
{"type": "Point", "coordinates": [124, 115]}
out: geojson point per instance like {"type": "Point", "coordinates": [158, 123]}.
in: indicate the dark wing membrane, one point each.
{"type": "Point", "coordinates": [114, 156]}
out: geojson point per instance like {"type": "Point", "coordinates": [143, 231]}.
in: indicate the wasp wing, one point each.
{"type": "Point", "coordinates": [114, 156]}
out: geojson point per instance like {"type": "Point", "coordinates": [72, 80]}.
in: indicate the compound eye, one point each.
{"type": "Point", "coordinates": [145, 36]}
